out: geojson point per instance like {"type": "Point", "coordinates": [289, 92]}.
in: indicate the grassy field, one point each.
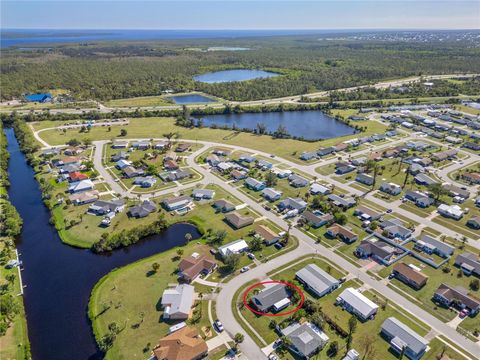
{"type": "Point", "coordinates": [160, 100]}
{"type": "Point", "coordinates": [156, 127]}
{"type": "Point", "coordinates": [131, 291]}
{"type": "Point", "coordinates": [49, 106]}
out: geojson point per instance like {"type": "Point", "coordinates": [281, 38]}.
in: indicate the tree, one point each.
{"type": "Point", "coordinates": [155, 266]}
{"type": "Point", "coordinates": [352, 326]}
{"type": "Point", "coordinates": [231, 262]}
{"type": "Point", "coordinates": [261, 128]}
{"type": "Point", "coordinates": [73, 142]}
{"type": "Point", "coordinates": [188, 237]}
{"type": "Point", "coordinates": [333, 349]}
{"type": "Point", "coordinates": [238, 339]}
{"type": "Point", "coordinates": [123, 132]}
{"type": "Point", "coordinates": [475, 284]}
{"type": "Point", "coordinates": [437, 190]}
{"type": "Point", "coordinates": [367, 342]}
{"type": "Point", "coordinates": [271, 179]}
{"type": "Point", "coordinates": [179, 252]}
{"type": "Point", "coordinates": [151, 170]}
{"type": "Point", "coordinates": [256, 244]}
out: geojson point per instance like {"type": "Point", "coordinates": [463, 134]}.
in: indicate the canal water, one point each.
{"type": "Point", "coordinates": [59, 278]}
{"type": "Point", "coordinates": [190, 99]}
{"type": "Point", "coordinates": [310, 125]}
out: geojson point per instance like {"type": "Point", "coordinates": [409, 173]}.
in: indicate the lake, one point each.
{"type": "Point", "coordinates": [233, 75]}
{"type": "Point", "coordinates": [190, 99]}
{"type": "Point", "coordinates": [60, 278]}
{"type": "Point", "coordinates": [311, 125]}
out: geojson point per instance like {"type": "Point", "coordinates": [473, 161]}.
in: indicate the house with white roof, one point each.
{"type": "Point", "coordinates": [235, 247]}
{"type": "Point", "coordinates": [450, 211]}
{"type": "Point", "coordinates": [356, 303]}
{"type": "Point", "coordinates": [271, 194]}
{"type": "Point", "coordinates": [403, 339]}
{"type": "Point", "coordinates": [79, 186]}
{"type": "Point", "coordinates": [306, 339]}
{"type": "Point", "coordinates": [177, 302]}
{"type": "Point", "coordinates": [316, 189]}
{"type": "Point", "coordinates": [317, 280]}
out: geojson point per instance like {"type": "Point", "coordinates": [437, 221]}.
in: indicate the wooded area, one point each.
{"type": "Point", "coordinates": [112, 71]}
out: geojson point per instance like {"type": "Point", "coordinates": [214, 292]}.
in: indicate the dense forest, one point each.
{"type": "Point", "coordinates": [106, 71]}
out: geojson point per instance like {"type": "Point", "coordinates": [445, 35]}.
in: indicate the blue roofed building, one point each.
{"type": "Point", "coordinates": [41, 98]}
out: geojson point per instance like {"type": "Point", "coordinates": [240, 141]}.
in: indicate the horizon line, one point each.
{"type": "Point", "coordinates": [241, 29]}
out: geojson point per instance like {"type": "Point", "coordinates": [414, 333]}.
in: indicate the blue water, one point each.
{"type": "Point", "coordinates": [190, 99]}
{"type": "Point", "coordinates": [311, 125]}
{"type": "Point", "coordinates": [32, 37]}
{"type": "Point", "coordinates": [233, 75]}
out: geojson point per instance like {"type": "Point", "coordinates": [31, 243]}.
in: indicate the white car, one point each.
{"type": "Point", "coordinates": [244, 269]}
{"type": "Point", "coordinates": [218, 325]}
{"type": "Point", "coordinates": [251, 256]}
{"type": "Point", "coordinates": [272, 357]}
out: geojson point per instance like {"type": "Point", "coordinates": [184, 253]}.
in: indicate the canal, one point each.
{"type": "Point", "coordinates": [59, 278]}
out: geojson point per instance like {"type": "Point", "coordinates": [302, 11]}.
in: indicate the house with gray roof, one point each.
{"type": "Point", "coordinates": [199, 194]}
{"type": "Point", "coordinates": [403, 339]}
{"type": "Point", "coordinates": [271, 194]}
{"type": "Point", "coordinates": [297, 181]}
{"type": "Point", "coordinates": [292, 204]}
{"type": "Point", "coordinates": [308, 155]}
{"type": "Point", "coordinates": [325, 151]}
{"type": "Point", "coordinates": [104, 207]}
{"type": "Point", "coordinates": [273, 298]}
{"type": "Point", "coordinates": [316, 189]}
{"type": "Point", "coordinates": [364, 179]}
{"type": "Point", "coordinates": [420, 199]}
{"type": "Point", "coordinates": [356, 303]}
{"type": "Point", "coordinates": [254, 184]}
{"type": "Point", "coordinates": [223, 205]}
{"type": "Point", "coordinates": [469, 263]}
{"type": "Point", "coordinates": [316, 219]}
{"type": "Point", "coordinates": [145, 181]}
{"type": "Point", "coordinates": [345, 202]}
{"type": "Point", "coordinates": [306, 339]}
{"type": "Point", "coordinates": [142, 210]}
{"type": "Point", "coordinates": [376, 248]}
{"type": "Point", "coordinates": [317, 280]}
{"type": "Point", "coordinates": [430, 245]}
{"type": "Point", "coordinates": [423, 179]}
{"type": "Point", "coordinates": [177, 302]}
{"type": "Point", "coordinates": [176, 202]}
{"type": "Point", "coordinates": [390, 188]}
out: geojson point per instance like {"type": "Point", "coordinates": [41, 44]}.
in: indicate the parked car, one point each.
{"type": "Point", "coordinates": [244, 269]}
{"type": "Point", "coordinates": [391, 276]}
{"type": "Point", "coordinates": [389, 211]}
{"type": "Point", "coordinates": [278, 246]}
{"type": "Point", "coordinates": [213, 251]}
{"type": "Point", "coordinates": [342, 280]}
{"type": "Point", "coordinates": [464, 313]}
{"type": "Point", "coordinates": [277, 343]}
{"type": "Point", "coordinates": [272, 357]}
{"type": "Point", "coordinates": [218, 325]}
{"type": "Point", "coordinates": [251, 256]}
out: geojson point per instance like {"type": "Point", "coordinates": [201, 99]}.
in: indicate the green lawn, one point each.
{"type": "Point", "coordinates": [156, 127]}
{"type": "Point", "coordinates": [161, 100]}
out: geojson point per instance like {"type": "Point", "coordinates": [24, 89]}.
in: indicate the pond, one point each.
{"type": "Point", "coordinates": [233, 75]}
{"type": "Point", "coordinates": [191, 99]}
{"type": "Point", "coordinates": [60, 278]}
{"type": "Point", "coordinates": [310, 125]}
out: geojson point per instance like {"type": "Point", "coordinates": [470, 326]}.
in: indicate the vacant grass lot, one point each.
{"type": "Point", "coordinates": [156, 127]}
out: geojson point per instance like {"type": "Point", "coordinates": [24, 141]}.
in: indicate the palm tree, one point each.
{"type": "Point", "coordinates": [188, 237]}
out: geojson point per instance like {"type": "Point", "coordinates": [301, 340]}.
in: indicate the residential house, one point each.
{"type": "Point", "coordinates": [142, 210]}
{"type": "Point", "coordinates": [77, 176]}
{"type": "Point", "coordinates": [266, 234]}
{"type": "Point", "coordinates": [271, 194]}
{"type": "Point", "coordinates": [297, 181]}
{"type": "Point", "coordinates": [282, 174]}
{"type": "Point", "coordinates": [424, 162]}
{"type": "Point", "coordinates": [472, 146]}
{"type": "Point", "coordinates": [457, 297]}
{"type": "Point", "coordinates": [416, 169]}
{"type": "Point", "coordinates": [317, 280]}
{"type": "Point", "coordinates": [183, 344]}
{"type": "Point", "coordinates": [423, 179]}
{"type": "Point", "coordinates": [70, 160]}
{"type": "Point", "coordinates": [175, 175]}
{"type": "Point", "coordinates": [170, 165]}
{"type": "Point", "coordinates": [305, 339]}
{"type": "Point", "coordinates": [364, 179]}
{"type": "Point", "coordinates": [123, 163]}
{"type": "Point", "coordinates": [454, 191]}
{"type": "Point", "coordinates": [182, 147]}
{"type": "Point", "coordinates": [396, 231]}
{"type": "Point", "coordinates": [122, 155]}
{"type": "Point", "coordinates": [141, 145]}
{"type": "Point", "coordinates": [272, 298]}
{"type": "Point", "coordinates": [105, 207]}
{"type": "Point", "coordinates": [223, 205]}
{"type": "Point", "coordinates": [471, 177]}
{"type": "Point", "coordinates": [85, 197]}
{"type": "Point", "coordinates": [213, 160]}
{"type": "Point", "coordinates": [234, 247]}
{"type": "Point", "coordinates": [199, 194]}
{"type": "Point", "coordinates": [292, 204]}
{"type": "Point", "coordinates": [79, 186]}
{"type": "Point", "coordinates": [238, 221]}
{"type": "Point", "coordinates": [367, 214]}
{"type": "Point", "coordinates": [145, 181]}
{"type": "Point", "coordinates": [120, 144]}
{"type": "Point", "coordinates": [221, 152]}
{"type": "Point", "coordinates": [337, 230]}
{"type": "Point", "coordinates": [316, 219]}
{"type": "Point", "coordinates": [177, 302]}
{"type": "Point", "coordinates": [445, 155]}
{"type": "Point", "coordinates": [160, 145]}
{"type": "Point", "coordinates": [430, 245]}
{"type": "Point", "coordinates": [391, 188]}
{"type": "Point", "coordinates": [343, 202]}
{"type": "Point", "coordinates": [356, 303]}
{"type": "Point", "coordinates": [474, 222]}
{"type": "Point", "coordinates": [40, 98]}
{"type": "Point", "coordinates": [308, 155]}
{"type": "Point", "coordinates": [341, 170]}
{"type": "Point", "coordinates": [246, 158]}
{"type": "Point", "coordinates": [469, 263]}
{"type": "Point", "coordinates": [318, 189]}
{"type": "Point", "coordinates": [194, 265]}
{"type": "Point", "coordinates": [73, 150]}
{"type": "Point", "coordinates": [238, 175]}
{"type": "Point", "coordinates": [450, 211]}
{"type": "Point", "coordinates": [254, 184]}
{"type": "Point", "coordinates": [420, 199]}
{"type": "Point", "coordinates": [176, 202]}
{"type": "Point", "coordinates": [340, 147]}
{"type": "Point", "coordinates": [325, 151]}
{"type": "Point", "coordinates": [264, 164]}
{"type": "Point", "coordinates": [170, 155]}
{"type": "Point", "coordinates": [131, 172]}
{"type": "Point", "coordinates": [403, 340]}
{"type": "Point", "coordinates": [409, 276]}
{"type": "Point", "coordinates": [377, 249]}
{"type": "Point", "coordinates": [359, 161]}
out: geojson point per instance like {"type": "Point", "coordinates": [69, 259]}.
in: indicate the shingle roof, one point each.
{"type": "Point", "coordinates": [410, 338]}
{"type": "Point", "coordinates": [317, 279]}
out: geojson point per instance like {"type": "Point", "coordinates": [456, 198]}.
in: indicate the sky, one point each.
{"type": "Point", "coordinates": [245, 14]}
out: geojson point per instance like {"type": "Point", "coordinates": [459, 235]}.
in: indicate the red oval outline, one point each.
{"type": "Point", "coordinates": [302, 300]}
